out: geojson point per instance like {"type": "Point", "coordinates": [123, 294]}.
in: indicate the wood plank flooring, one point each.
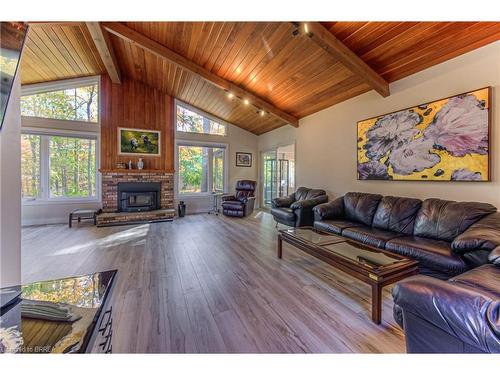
{"type": "Point", "coordinates": [208, 284]}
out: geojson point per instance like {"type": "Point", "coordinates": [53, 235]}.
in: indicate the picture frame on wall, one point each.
{"type": "Point", "coordinates": [144, 142]}
{"type": "Point", "coordinates": [243, 159]}
{"type": "Point", "coordinates": [443, 140]}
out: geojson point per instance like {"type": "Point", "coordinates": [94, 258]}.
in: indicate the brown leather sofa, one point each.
{"type": "Point", "coordinates": [446, 237]}
{"type": "Point", "coordinates": [242, 203]}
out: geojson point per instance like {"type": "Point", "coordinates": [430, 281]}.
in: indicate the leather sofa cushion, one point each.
{"type": "Point", "coordinates": [486, 278]}
{"type": "Point", "coordinates": [233, 205]}
{"type": "Point", "coordinates": [304, 193]}
{"type": "Point", "coordinates": [370, 236]}
{"type": "Point", "coordinates": [444, 220]}
{"type": "Point", "coordinates": [283, 213]}
{"type": "Point", "coordinates": [396, 214]}
{"type": "Point", "coordinates": [433, 254]}
{"type": "Point", "coordinates": [360, 207]}
{"type": "Point", "coordinates": [484, 234]}
{"type": "Point", "coordinates": [335, 226]}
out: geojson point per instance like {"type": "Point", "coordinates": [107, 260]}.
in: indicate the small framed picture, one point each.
{"type": "Point", "coordinates": [243, 159]}
{"type": "Point", "coordinates": [139, 142]}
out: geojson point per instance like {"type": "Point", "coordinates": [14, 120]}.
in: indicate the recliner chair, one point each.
{"type": "Point", "coordinates": [295, 210]}
{"type": "Point", "coordinates": [242, 203]}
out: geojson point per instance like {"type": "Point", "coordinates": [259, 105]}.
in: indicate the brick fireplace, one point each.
{"type": "Point", "coordinates": [110, 181]}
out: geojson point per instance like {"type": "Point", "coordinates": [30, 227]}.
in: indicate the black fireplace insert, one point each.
{"type": "Point", "coordinates": [139, 196]}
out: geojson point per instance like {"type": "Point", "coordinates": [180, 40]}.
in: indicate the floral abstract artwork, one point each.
{"type": "Point", "coordinates": [445, 140]}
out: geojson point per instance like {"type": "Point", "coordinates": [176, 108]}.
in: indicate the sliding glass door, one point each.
{"type": "Point", "coordinates": [278, 173]}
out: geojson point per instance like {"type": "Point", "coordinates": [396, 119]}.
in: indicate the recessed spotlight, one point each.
{"type": "Point", "coordinates": [262, 113]}
{"type": "Point", "coordinates": [246, 101]}
{"type": "Point", "coordinates": [230, 95]}
{"type": "Point", "coordinates": [306, 29]}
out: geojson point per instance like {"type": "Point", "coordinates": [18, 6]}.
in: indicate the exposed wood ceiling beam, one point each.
{"type": "Point", "coordinates": [165, 53]}
{"type": "Point", "coordinates": [105, 49]}
{"type": "Point", "coordinates": [326, 40]}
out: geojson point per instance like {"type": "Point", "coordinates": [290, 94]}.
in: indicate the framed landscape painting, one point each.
{"type": "Point", "coordinates": [243, 159]}
{"type": "Point", "coordinates": [444, 140]}
{"type": "Point", "coordinates": [139, 142]}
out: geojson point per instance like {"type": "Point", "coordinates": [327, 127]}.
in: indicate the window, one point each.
{"type": "Point", "coordinates": [58, 166]}
{"type": "Point", "coordinates": [68, 103]}
{"type": "Point", "coordinates": [201, 168]}
{"type": "Point", "coordinates": [193, 121]}
{"type": "Point", "coordinates": [30, 165]}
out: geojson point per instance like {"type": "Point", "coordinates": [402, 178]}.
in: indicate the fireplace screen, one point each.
{"type": "Point", "coordinates": [133, 197]}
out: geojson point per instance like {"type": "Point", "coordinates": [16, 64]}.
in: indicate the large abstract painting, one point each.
{"type": "Point", "coordinates": [445, 140]}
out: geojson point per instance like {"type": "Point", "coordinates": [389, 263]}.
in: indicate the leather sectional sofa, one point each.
{"type": "Point", "coordinates": [296, 210]}
{"type": "Point", "coordinates": [446, 237]}
{"type": "Point", "coordinates": [458, 243]}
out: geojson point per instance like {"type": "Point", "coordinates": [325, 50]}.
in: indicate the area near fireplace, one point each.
{"type": "Point", "coordinates": [132, 196]}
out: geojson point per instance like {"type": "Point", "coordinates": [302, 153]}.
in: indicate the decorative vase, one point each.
{"type": "Point", "coordinates": [140, 164]}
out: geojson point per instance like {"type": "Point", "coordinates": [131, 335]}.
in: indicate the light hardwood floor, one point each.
{"type": "Point", "coordinates": [214, 284]}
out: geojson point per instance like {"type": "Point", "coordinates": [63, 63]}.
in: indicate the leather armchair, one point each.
{"type": "Point", "coordinates": [296, 210]}
{"type": "Point", "coordinates": [461, 315]}
{"type": "Point", "coordinates": [242, 203]}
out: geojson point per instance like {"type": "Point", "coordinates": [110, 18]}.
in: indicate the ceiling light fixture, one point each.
{"type": "Point", "coordinates": [230, 95]}
{"type": "Point", "coordinates": [306, 29]}
{"type": "Point", "coordinates": [246, 102]}
{"type": "Point", "coordinates": [262, 113]}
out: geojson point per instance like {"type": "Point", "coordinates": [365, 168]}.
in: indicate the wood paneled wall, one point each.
{"type": "Point", "coordinates": [135, 105]}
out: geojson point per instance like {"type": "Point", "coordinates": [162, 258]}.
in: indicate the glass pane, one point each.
{"type": "Point", "coordinates": [218, 169]}
{"type": "Point", "coordinates": [314, 236]}
{"type": "Point", "coordinates": [193, 169]}
{"type": "Point", "coordinates": [30, 165]}
{"type": "Point", "coordinates": [72, 167]}
{"type": "Point", "coordinates": [192, 122]}
{"type": "Point", "coordinates": [79, 104]}
{"type": "Point", "coordinates": [371, 258]}
{"type": "Point", "coordinates": [269, 172]}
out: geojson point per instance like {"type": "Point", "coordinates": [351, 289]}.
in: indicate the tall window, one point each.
{"type": "Point", "coordinates": [201, 168]}
{"type": "Point", "coordinates": [58, 167]}
{"type": "Point", "coordinates": [59, 158]}
{"type": "Point", "coordinates": [75, 104]}
{"type": "Point", "coordinates": [190, 120]}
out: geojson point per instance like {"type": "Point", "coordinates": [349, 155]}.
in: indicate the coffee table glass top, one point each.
{"type": "Point", "coordinates": [367, 257]}
{"type": "Point", "coordinates": [313, 235]}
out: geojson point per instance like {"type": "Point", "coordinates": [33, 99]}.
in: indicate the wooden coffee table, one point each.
{"type": "Point", "coordinates": [374, 266]}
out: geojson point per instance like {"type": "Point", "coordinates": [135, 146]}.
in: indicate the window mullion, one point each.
{"type": "Point", "coordinates": [210, 169]}
{"type": "Point", "coordinates": [44, 168]}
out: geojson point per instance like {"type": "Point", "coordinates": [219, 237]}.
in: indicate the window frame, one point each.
{"type": "Point", "coordinates": [45, 197]}
{"type": "Point", "coordinates": [198, 111]}
{"type": "Point", "coordinates": [43, 87]}
{"type": "Point", "coordinates": [225, 146]}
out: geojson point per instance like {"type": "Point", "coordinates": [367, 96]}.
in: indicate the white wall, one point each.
{"type": "Point", "coordinates": [10, 192]}
{"type": "Point", "coordinates": [326, 141]}
{"type": "Point", "coordinates": [238, 140]}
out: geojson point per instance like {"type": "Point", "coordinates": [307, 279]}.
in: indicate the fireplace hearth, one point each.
{"type": "Point", "coordinates": [138, 196]}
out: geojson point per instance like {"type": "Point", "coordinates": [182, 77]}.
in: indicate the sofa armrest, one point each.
{"type": "Point", "coordinates": [494, 256]}
{"type": "Point", "coordinates": [465, 312]}
{"type": "Point", "coordinates": [482, 235]}
{"type": "Point", "coordinates": [309, 203]}
{"type": "Point", "coordinates": [330, 210]}
{"type": "Point", "coordinates": [283, 201]}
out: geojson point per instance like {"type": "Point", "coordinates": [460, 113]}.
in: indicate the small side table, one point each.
{"type": "Point", "coordinates": [216, 197]}
{"type": "Point", "coordinates": [80, 215]}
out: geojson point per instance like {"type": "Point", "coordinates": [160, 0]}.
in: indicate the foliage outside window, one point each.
{"type": "Point", "coordinates": [72, 167]}
{"type": "Point", "coordinates": [191, 122]}
{"type": "Point", "coordinates": [30, 166]}
{"type": "Point", "coordinates": [201, 169]}
{"type": "Point", "coordinates": [75, 104]}
{"type": "Point", "coordinates": [58, 166]}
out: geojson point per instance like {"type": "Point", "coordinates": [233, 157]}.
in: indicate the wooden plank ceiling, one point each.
{"type": "Point", "coordinates": [290, 72]}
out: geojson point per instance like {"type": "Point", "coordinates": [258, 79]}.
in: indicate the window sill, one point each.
{"type": "Point", "coordinates": [43, 202]}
